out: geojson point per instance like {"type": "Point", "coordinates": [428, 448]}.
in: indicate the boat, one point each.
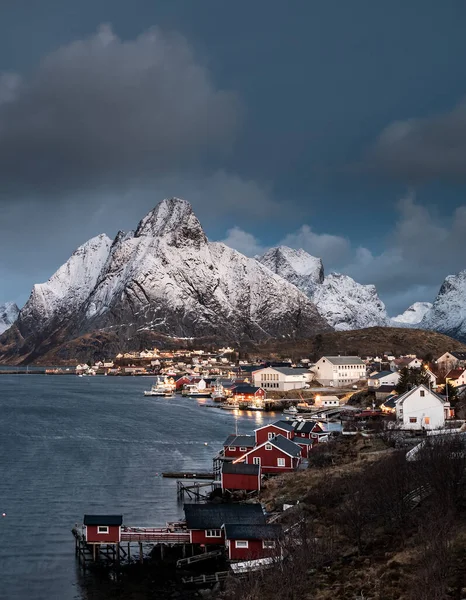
{"type": "Point", "coordinates": [218, 393]}
{"type": "Point", "coordinates": [230, 406]}
{"type": "Point", "coordinates": [292, 410]}
{"type": "Point", "coordinates": [254, 407]}
{"type": "Point", "coordinates": [196, 390]}
{"type": "Point", "coordinates": [162, 387]}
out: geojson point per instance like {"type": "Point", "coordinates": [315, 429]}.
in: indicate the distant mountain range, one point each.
{"type": "Point", "coordinates": [165, 283]}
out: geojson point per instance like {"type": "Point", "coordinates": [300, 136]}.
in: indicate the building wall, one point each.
{"type": "Point", "coordinates": [253, 551]}
{"type": "Point", "coordinates": [233, 481]}
{"type": "Point", "coordinates": [326, 373]}
{"type": "Point", "coordinates": [269, 460]}
{"type": "Point", "coordinates": [112, 537]}
{"type": "Point", "coordinates": [391, 379]}
{"type": "Point", "coordinates": [271, 379]}
{"type": "Point", "coordinates": [236, 452]}
{"type": "Point", "coordinates": [198, 536]}
{"type": "Point", "coordinates": [428, 411]}
{"type": "Point", "coordinates": [262, 435]}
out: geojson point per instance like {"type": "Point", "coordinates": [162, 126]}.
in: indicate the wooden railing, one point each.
{"type": "Point", "coordinates": [157, 535]}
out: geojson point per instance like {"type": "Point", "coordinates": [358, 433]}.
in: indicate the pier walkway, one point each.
{"type": "Point", "coordinates": [155, 535]}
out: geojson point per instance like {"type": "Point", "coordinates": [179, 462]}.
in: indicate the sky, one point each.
{"type": "Point", "coordinates": [338, 127]}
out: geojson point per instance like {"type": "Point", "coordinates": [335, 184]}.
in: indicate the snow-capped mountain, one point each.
{"type": "Point", "coordinates": [164, 279]}
{"type": "Point", "coordinates": [342, 302]}
{"type": "Point", "coordinates": [346, 304]}
{"type": "Point", "coordinates": [448, 313]}
{"type": "Point", "coordinates": [296, 266]}
{"type": "Point", "coordinates": [412, 316]}
{"type": "Point", "coordinates": [8, 314]}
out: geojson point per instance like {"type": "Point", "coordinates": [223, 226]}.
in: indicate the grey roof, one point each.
{"type": "Point", "coordinates": [381, 374]}
{"type": "Point", "coordinates": [290, 370]}
{"type": "Point", "coordinates": [459, 355]}
{"type": "Point", "coordinates": [103, 520]}
{"type": "Point", "coordinates": [391, 401]}
{"type": "Point", "coordinates": [304, 426]}
{"type": "Point", "coordinates": [344, 360]}
{"type": "Point", "coordinates": [214, 516]}
{"type": "Point", "coordinates": [240, 440]}
{"type": "Point", "coordinates": [236, 531]}
{"type": "Point", "coordinates": [282, 443]}
{"type": "Point", "coordinates": [306, 441]}
{"type": "Point", "coordinates": [286, 425]}
{"type": "Point", "coordinates": [387, 388]}
{"type": "Point", "coordinates": [231, 468]}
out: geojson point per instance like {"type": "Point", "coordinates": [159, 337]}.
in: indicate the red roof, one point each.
{"type": "Point", "coordinates": [454, 374]}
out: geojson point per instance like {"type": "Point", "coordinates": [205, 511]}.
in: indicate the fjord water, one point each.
{"type": "Point", "coordinates": [71, 445]}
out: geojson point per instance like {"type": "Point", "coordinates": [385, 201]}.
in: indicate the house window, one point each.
{"type": "Point", "coordinates": [232, 448]}
{"type": "Point", "coordinates": [303, 435]}
{"type": "Point", "coordinates": [413, 419]}
{"type": "Point", "coordinates": [427, 420]}
{"type": "Point", "coordinates": [243, 449]}
{"type": "Point", "coordinates": [256, 460]}
{"type": "Point", "coordinates": [216, 533]}
{"type": "Point", "coordinates": [280, 462]}
{"type": "Point", "coordinates": [270, 435]}
{"type": "Point", "coordinates": [241, 544]}
{"type": "Point", "coordinates": [268, 544]}
{"type": "Point", "coordinates": [268, 446]}
{"type": "Point", "coordinates": [422, 393]}
{"type": "Point", "coordinates": [102, 529]}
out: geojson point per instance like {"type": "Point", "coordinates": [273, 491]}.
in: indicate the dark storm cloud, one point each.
{"type": "Point", "coordinates": [421, 149]}
{"type": "Point", "coordinates": [101, 108]}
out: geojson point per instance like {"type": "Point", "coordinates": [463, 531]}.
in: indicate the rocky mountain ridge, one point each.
{"type": "Point", "coordinates": [8, 314]}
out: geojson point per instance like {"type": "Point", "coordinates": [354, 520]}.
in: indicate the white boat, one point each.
{"type": "Point", "coordinates": [162, 387]}
{"type": "Point", "coordinates": [292, 410]}
{"type": "Point", "coordinates": [254, 407]}
{"type": "Point", "coordinates": [196, 390]}
{"type": "Point", "coordinates": [230, 406]}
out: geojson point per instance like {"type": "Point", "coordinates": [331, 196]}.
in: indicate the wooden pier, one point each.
{"type": "Point", "coordinates": [188, 475]}
{"type": "Point", "coordinates": [192, 491]}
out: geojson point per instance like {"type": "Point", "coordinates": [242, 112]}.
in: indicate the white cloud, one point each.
{"type": "Point", "coordinates": [332, 249]}
{"type": "Point", "coordinates": [244, 242]}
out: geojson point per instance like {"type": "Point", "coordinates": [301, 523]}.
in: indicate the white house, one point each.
{"type": "Point", "coordinates": [451, 360]}
{"type": "Point", "coordinates": [412, 362]}
{"type": "Point", "coordinates": [420, 408]}
{"type": "Point", "coordinates": [383, 378]}
{"type": "Point", "coordinates": [326, 401]}
{"type": "Point", "coordinates": [456, 377]}
{"type": "Point", "coordinates": [339, 371]}
{"type": "Point", "coordinates": [281, 378]}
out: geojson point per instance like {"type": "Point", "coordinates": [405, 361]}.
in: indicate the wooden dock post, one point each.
{"type": "Point", "coordinates": [93, 551]}
{"type": "Point", "coordinates": [129, 551]}
{"type": "Point", "coordinates": [141, 555]}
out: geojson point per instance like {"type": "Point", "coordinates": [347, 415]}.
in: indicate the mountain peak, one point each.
{"type": "Point", "coordinates": [8, 315]}
{"type": "Point", "coordinates": [296, 266]}
{"type": "Point", "coordinates": [414, 314]}
{"type": "Point", "coordinates": [174, 220]}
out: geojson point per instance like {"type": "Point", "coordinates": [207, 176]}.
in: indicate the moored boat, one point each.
{"type": "Point", "coordinates": [162, 387]}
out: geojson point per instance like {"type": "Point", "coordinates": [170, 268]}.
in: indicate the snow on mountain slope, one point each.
{"type": "Point", "coordinates": [412, 315]}
{"type": "Point", "coordinates": [64, 293]}
{"type": "Point", "coordinates": [170, 279]}
{"type": "Point", "coordinates": [8, 314]}
{"type": "Point", "coordinates": [346, 304]}
{"type": "Point", "coordinates": [448, 313]}
{"type": "Point", "coordinates": [296, 266]}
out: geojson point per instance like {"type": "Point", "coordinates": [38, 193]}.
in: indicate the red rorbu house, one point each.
{"type": "Point", "coordinates": [237, 445]}
{"type": "Point", "coordinates": [267, 432]}
{"type": "Point", "coordinates": [103, 529]}
{"type": "Point", "coordinates": [248, 394]}
{"type": "Point", "coordinates": [307, 429]}
{"type": "Point", "coordinates": [205, 522]}
{"type": "Point", "coordinates": [241, 476]}
{"type": "Point", "coordinates": [181, 382]}
{"type": "Point", "coordinates": [250, 542]}
{"type": "Point", "coordinates": [277, 455]}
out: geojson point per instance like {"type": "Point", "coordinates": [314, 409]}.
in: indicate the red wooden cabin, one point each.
{"type": "Point", "coordinates": [103, 529]}
{"type": "Point", "coordinates": [182, 381]}
{"type": "Point", "coordinates": [250, 542]}
{"type": "Point", "coordinates": [305, 429]}
{"type": "Point", "coordinates": [241, 476]}
{"type": "Point", "coordinates": [305, 444]}
{"type": "Point", "coordinates": [248, 393]}
{"type": "Point", "coordinates": [237, 445]}
{"type": "Point", "coordinates": [267, 432]}
{"type": "Point", "coordinates": [277, 455]}
{"type": "Point", "coordinates": [205, 521]}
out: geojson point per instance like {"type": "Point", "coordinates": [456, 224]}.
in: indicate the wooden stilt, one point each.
{"type": "Point", "coordinates": [141, 556]}
{"type": "Point", "coordinates": [93, 551]}
{"type": "Point", "coordinates": [129, 552]}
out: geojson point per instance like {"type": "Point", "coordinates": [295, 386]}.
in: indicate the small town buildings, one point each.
{"type": "Point", "coordinates": [237, 445]}
{"type": "Point", "coordinates": [377, 379]}
{"type": "Point", "coordinates": [102, 529]}
{"type": "Point", "coordinates": [339, 371]}
{"type": "Point", "coordinates": [326, 401]}
{"type": "Point", "coordinates": [411, 362]}
{"type": "Point", "coordinates": [421, 409]}
{"type": "Point", "coordinates": [271, 430]}
{"type": "Point", "coordinates": [456, 377]}
{"type": "Point", "coordinates": [277, 455]}
{"type": "Point", "coordinates": [206, 522]}
{"type": "Point", "coordinates": [240, 476]}
{"type": "Point", "coordinates": [282, 378]}
{"type": "Point", "coordinates": [451, 360]}
{"type": "Point", "coordinates": [250, 542]}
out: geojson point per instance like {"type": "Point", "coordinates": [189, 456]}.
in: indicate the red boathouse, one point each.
{"type": "Point", "coordinates": [250, 542]}
{"type": "Point", "coordinates": [237, 445]}
{"type": "Point", "coordinates": [240, 476]}
{"type": "Point", "coordinates": [267, 432]}
{"type": "Point", "coordinates": [103, 529]}
{"type": "Point", "coordinates": [277, 455]}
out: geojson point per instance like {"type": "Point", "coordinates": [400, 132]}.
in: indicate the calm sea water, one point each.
{"type": "Point", "coordinates": [70, 445]}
